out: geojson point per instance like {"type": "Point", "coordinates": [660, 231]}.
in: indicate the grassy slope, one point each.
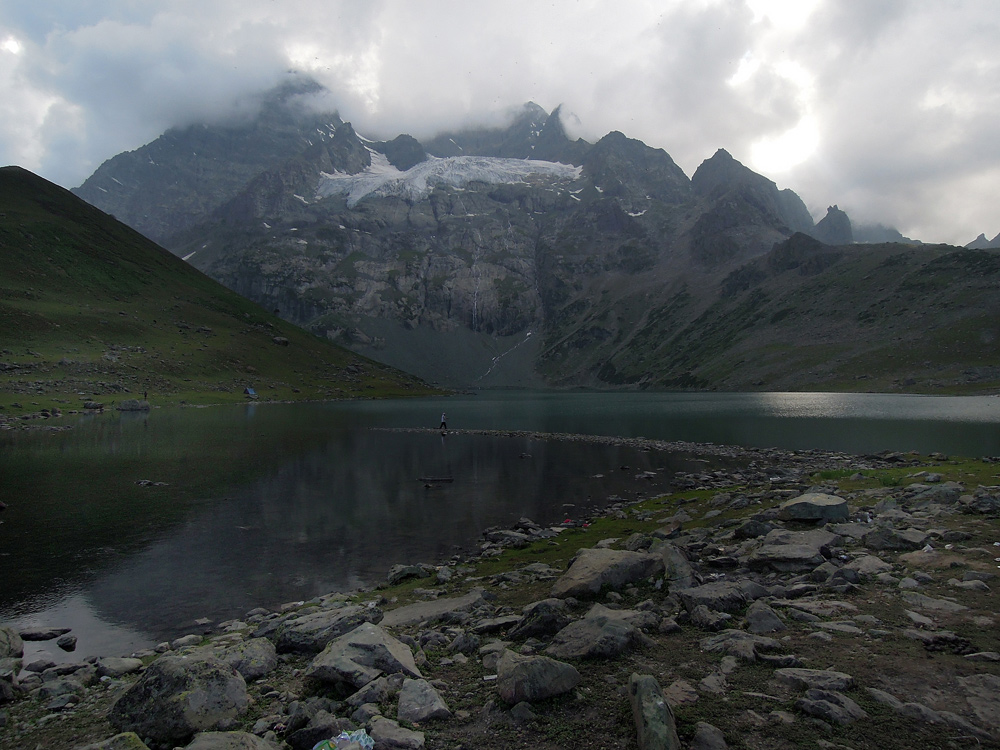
{"type": "Point", "coordinates": [91, 310]}
{"type": "Point", "coordinates": [857, 318]}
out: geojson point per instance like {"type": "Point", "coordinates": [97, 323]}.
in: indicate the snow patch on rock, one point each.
{"type": "Point", "coordinates": [382, 179]}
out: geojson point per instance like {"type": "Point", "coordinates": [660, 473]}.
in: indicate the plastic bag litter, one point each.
{"type": "Point", "coordinates": [359, 736]}
{"type": "Point", "coordinates": [927, 548]}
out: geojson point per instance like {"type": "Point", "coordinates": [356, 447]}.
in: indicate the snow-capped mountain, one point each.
{"type": "Point", "coordinates": [512, 255]}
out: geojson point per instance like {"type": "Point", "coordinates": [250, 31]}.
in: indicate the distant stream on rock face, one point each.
{"type": "Point", "coordinates": [128, 528]}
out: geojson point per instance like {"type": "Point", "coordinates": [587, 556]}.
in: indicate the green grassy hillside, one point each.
{"type": "Point", "coordinates": [807, 316]}
{"type": "Point", "coordinates": [90, 310]}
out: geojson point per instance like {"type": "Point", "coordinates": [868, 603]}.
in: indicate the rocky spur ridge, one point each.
{"type": "Point", "coordinates": [794, 611]}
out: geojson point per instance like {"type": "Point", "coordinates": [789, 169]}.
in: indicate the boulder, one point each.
{"type": "Point", "coordinates": [420, 702]}
{"type": "Point", "coordinates": [598, 637]}
{"type": "Point", "coordinates": [655, 726]}
{"type": "Point", "coordinates": [11, 644]}
{"type": "Point", "coordinates": [719, 596]}
{"type": "Point", "coordinates": [762, 619]}
{"type": "Point", "coordinates": [823, 679]}
{"type": "Point", "coordinates": [433, 611]}
{"type": "Point", "coordinates": [388, 735]}
{"type": "Point", "coordinates": [356, 658]}
{"type": "Point", "coordinates": [116, 666]}
{"type": "Point", "coordinates": [887, 538]}
{"type": "Point", "coordinates": [638, 618]}
{"type": "Point", "coordinates": [677, 570]}
{"type": "Point", "coordinates": [176, 698]}
{"type": "Point", "coordinates": [707, 737]}
{"type": "Point", "coordinates": [321, 726]}
{"type": "Point", "coordinates": [830, 706]}
{"type": "Point", "coordinates": [42, 634]}
{"type": "Point", "coordinates": [399, 573]}
{"type": "Point", "coordinates": [814, 506]}
{"type": "Point", "coordinates": [541, 619]}
{"type": "Point", "coordinates": [786, 558]}
{"type": "Point", "coordinates": [753, 529]}
{"type": "Point", "coordinates": [229, 741]}
{"type": "Point", "coordinates": [709, 619]}
{"type": "Point", "coordinates": [377, 691]}
{"type": "Point", "coordinates": [868, 566]}
{"type": "Point", "coordinates": [310, 632]}
{"type": "Point", "coordinates": [594, 568]}
{"type": "Point", "coordinates": [253, 658]}
{"type": "Point", "coordinates": [533, 678]}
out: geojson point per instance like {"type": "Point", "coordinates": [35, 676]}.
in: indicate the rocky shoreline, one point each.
{"type": "Point", "coordinates": [787, 599]}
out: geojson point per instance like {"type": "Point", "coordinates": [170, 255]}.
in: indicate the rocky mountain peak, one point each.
{"type": "Point", "coordinates": [403, 151]}
{"type": "Point", "coordinates": [834, 228]}
{"type": "Point", "coordinates": [722, 172]}
{"type": "Point", "coordinates": [981, 243]}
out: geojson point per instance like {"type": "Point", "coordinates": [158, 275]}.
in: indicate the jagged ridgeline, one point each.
{"type": "Point", "coordinates": [91, 310]}
{"type": "Point", "coordinates": [517, 256]}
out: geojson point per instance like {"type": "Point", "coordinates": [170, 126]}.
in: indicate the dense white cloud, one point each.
{"type": "Point", "coordinates": [886, 108]}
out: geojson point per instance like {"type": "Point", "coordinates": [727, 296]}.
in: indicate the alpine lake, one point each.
{"type": "Point", "coordinates": [134, 528]}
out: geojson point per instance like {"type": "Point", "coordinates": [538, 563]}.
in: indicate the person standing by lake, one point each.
{"type": "Point", "coordinates": [444, 421]}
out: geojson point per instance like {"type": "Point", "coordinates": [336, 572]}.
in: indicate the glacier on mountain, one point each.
{"type": "Point", "coordinates": [382, 179]}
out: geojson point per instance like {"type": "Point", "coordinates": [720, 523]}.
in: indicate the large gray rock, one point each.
{"type": "Point", "coordinates": [594, 568]}
{"type": "Point", "coordinates": [786, 558]}
{"type": "Point", "coordinates": [823, 679]}
{"type": "Point", "coordinates": [309, 632]}
{"type": "Point", "coordinates": [11, 644]}
{"type": "Point", "coordinates": [229, 741]}
{"type": "Point", "coordinates": [719, 596]}
{"type": "Point", "coordinates": [597, 637]}
{"type": "Point", "coordinates": [42, 634]}
{"type": "Point", "coordinates": [253, 658]}
{"type": "Point", "coordinates": [533, 678]}
{"type": "Point", "coordinates": [814, 506]}
{"type": "Point", "coordinates": [637, 618]}
{"type": "Point", "coordinates": [677, 570]}
{"type": "Point", "coordinates": [868, 566]}
{"type": "Point", "coordinates": [117, 666]}
{"type": "Point", "coordinates": [655, 726]}
{"type": "Point", "coordinates": [945, 493]}
{"type": "Point", "coordinates": [541, 619]}
{"type": "Point", "coordinates": [388, 735]}
{"type": "Point", "coordinates": [430, 612]}
{"type": "Point", "coordinates": [886, 538]}
{"type": "Point", "coordinates": [176, 698]}
{"type": "Point", "coordinates": [830, 705]}
{"type": "Point", "coordinates": [707, 737]}
{"type": "Point", "coordinates": [762, 619]}
{"type": "Point", "coordinates": [358, 657]}
{"type": "Point", "coordinates": [420, 702]}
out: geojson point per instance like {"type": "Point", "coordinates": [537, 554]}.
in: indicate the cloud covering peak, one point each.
{"type": "Point", "coordinates": [886, 108]}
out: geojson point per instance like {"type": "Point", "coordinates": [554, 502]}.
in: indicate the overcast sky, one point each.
{"type": "Point", "coordinates": [889, 108]}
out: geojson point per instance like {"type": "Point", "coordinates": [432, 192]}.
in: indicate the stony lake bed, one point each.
{"type": "Point", "coordinates": [726, 612]}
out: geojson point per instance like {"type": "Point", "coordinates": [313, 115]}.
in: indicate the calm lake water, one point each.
{"type": "Point", "coordinates": [264, 504]}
